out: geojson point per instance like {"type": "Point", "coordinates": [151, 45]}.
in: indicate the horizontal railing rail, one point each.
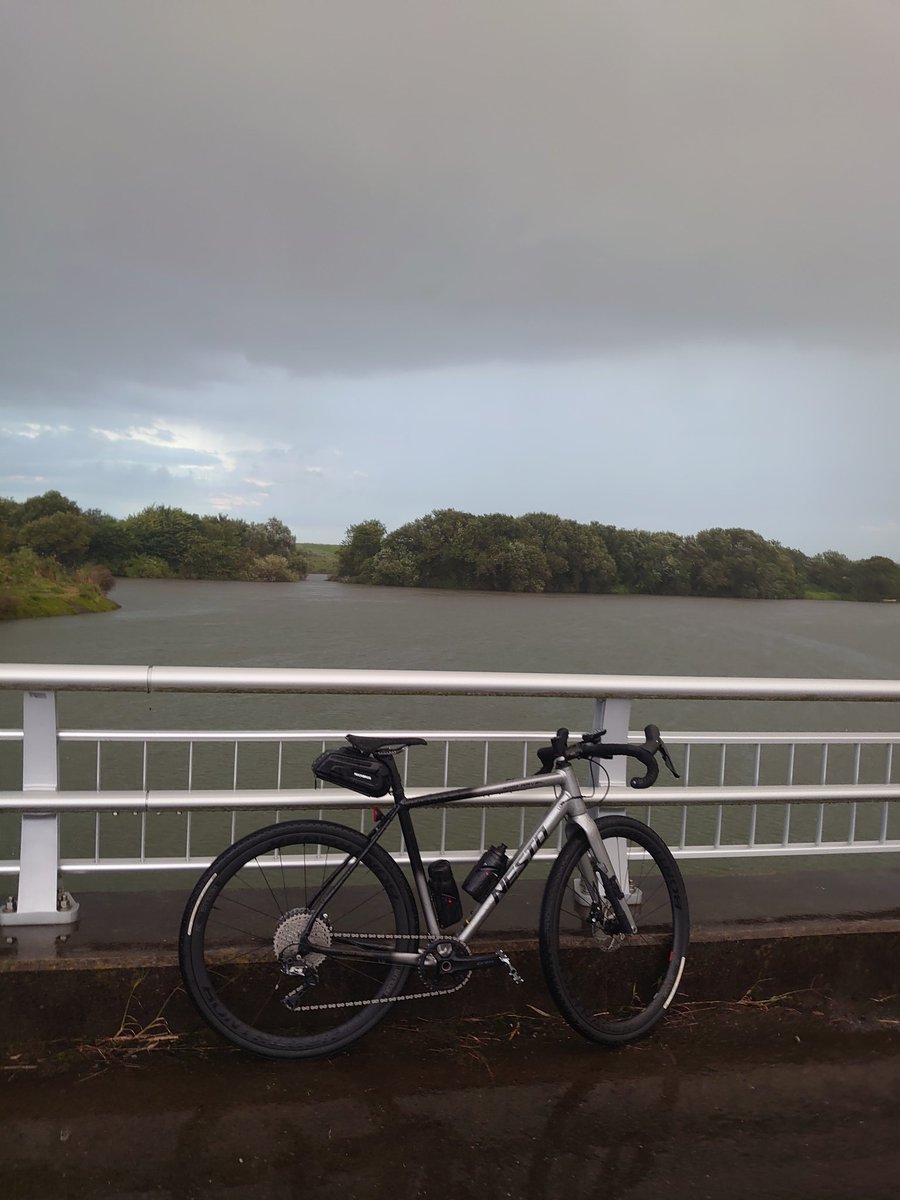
{"type": "Point", "coordinates": [139, 800]}
{"type": "Point", "coordinates": [311, 681]}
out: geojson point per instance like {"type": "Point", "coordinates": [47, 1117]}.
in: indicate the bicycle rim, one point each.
{"type": "Point", "coordinates": [613, 988]}
{"type": "Point", "coordinates": [243, 922]}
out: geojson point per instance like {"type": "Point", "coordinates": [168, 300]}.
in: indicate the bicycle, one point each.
{"type": "Point", "coordinates": [299, 938]}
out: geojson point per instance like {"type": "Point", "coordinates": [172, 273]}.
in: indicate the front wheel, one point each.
{"type": "Point", "coordinates": [253, 909]}
{"type": "Point", "coordinates": [610, 986]}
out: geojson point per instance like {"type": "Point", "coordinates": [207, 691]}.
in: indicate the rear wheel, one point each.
{"type": "Point", "coordinates": [613, 987]}
{"type": "Point", "coordinates": [239, 939]}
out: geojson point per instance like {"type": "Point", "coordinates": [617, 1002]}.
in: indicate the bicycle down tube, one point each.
{"type": "Point", "coordinates": [569, 805]}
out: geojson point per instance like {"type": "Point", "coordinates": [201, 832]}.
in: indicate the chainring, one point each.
{"type": "Point", "coordinates": [435, 962]}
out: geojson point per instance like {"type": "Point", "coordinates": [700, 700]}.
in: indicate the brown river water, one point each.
{"type": "Point", "coordinates": [318, 623]}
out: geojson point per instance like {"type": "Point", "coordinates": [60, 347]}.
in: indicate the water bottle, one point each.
{"type": "Point", "coordinates": [486, 872]}
{"type": "Point", "coordinates": [444, 893]}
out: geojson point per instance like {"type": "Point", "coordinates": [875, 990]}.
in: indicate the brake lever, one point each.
{"type": "Point", "coordinates": [666, 759]}
{"type": "Point", "coordinates": [656, 745]}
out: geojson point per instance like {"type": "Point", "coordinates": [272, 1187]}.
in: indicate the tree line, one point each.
{"type": "Point", "coordinates": [540, 552]}
{"type": "Point", "coordinates": [156, 543]}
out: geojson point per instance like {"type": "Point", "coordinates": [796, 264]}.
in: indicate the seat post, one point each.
{"type": "Point", "coordinates": [390, 761]}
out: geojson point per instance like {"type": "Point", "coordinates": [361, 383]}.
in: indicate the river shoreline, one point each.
{"type": "Point", "coordinates": [35, 603]}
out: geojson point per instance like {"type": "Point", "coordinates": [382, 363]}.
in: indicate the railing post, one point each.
{"type": "Point", "coordinates": [614, 716]}
{"type": "Point", "coordinates": [40, 901]}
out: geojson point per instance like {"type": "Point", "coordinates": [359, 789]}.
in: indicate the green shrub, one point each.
{"type": "Point", "coordinates": [272, 568]}
{"type": "Point", "coordinates": [147, 566]}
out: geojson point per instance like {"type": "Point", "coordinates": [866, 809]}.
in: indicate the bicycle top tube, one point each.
{"type": "Point", "coordinates": [558, 778]}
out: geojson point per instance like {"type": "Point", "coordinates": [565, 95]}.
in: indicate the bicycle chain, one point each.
{"type": "Point", "coordinates": [384, 999]}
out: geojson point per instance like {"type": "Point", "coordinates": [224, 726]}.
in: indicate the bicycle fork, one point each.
{"type": "Point", "coordinates": [598, 862]}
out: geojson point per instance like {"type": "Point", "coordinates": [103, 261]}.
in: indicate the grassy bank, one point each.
{"type": "Point", "coordinates": [31, 586]}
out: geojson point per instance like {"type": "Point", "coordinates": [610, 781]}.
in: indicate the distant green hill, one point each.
{"type": "Point", "coordinates": [322, 558]}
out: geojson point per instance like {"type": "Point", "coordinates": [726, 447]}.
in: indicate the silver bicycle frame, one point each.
{"type": "Point", "coordinates": [570, 806]}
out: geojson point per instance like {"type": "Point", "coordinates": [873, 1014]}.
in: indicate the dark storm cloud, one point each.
{"type": "Point", "coordinates": [363, 186]}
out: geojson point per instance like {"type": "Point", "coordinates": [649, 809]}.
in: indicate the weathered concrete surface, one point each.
{"type": "Point", "coordinates": [763, 932]}
{"type": "Point", "coordinates": [483, 1094]}
{"type": "Point", "coordinates": [721, 1101]}
{"type": "Point", "coordinates": [87, 994]}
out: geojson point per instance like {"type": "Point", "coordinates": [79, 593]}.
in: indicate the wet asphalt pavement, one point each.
{"type": "Point", "coordinates": [796, 1100]}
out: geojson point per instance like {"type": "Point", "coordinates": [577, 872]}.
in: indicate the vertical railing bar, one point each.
{"type": "Point", "coordinates": [687, 764]}
{"type": "Point", "coordinates": [884, 822]}
{"type": "Point", "coordinates": [823, 778]}
{"type": "Point", "coordinates": [143, 837]}
{"type": "Point", "coordinates": [683, 836]}
{"type": "Point", "coordinates": [444, 830]}
{"type": "Point", "coordinates": [791, 756]}
{"type": "Point", "coordinates": [722, 765]}
{"type": "Point", "coordinates": [756, 760]}
{"type": "Point", "coordinates": [851, 831]}
{"type": "Point", "coordinates": [278, 772]}
{"type": "Point", "coordinates": [405, 765]}
{"type": "Point", "coordinates": [234, 825]}
{"type": "Point", "coordinates": [483, 826]}
{"type": "Point", "coordinates": [190, 766]}
{"type": "Point", "coordinates": [889, 763]}
{"type": "Point", "coordinates": [187, 837]}
{"type": "Point", "coordinates": [144, 770]}
{"type": "Point", "coordinates": [234, 774]}
{"type": "Point", "coordinates": [319, 782]}
{"type": "Point", "coordinates": [486, 753]}
{"type": "Point", "coordinates": [96, 837]}
{"type": "Point", "coordinates": [857, 753]}
{"type": "Point", "coordinates": [786, 835]}
{"type": "Point", "coordinates": [753, 814]}
{"type": "Point", "coordinates": [717, 841]}
{"type": "Point", "coordinates": [446, 763]}
{"type": "Point", "coordinates": [97, 788]}
{"type": "Point", "coordinates": [524, 759]}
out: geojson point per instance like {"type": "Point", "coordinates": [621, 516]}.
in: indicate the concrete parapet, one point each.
{"type": "Point", "coordinates": [90, 995]}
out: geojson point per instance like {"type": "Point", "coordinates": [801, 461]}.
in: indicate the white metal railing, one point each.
{"type": "Point", "coordinates": [92, 799]}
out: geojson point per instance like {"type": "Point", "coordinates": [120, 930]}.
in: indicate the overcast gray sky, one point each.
{"type": "Point", "coordinates": [636, 262]}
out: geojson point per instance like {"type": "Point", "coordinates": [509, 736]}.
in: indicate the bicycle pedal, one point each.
{"type": "Point", "coordinates": [513, 973]}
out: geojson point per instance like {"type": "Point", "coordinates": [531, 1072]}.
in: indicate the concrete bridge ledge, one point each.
{"type": "Point", "coordinates": [91, 994]}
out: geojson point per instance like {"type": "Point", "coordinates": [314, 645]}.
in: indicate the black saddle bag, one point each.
{"type": "Point", "coordinates": [349, 769]}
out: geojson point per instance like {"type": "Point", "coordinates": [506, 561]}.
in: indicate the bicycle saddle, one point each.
{"type": "Point", "coordinates": [371, 745]}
